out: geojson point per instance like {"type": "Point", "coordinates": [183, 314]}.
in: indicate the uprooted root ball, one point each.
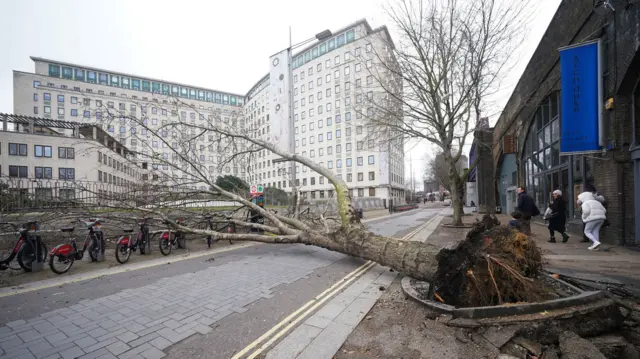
{"type": "Point", "coordinates": [494, 265]}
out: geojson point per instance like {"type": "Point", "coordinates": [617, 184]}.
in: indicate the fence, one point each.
{"type": "Point", "coordinates": [33, 195]}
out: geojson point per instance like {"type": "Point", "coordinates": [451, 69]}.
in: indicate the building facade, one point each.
{"type": "Point", "coordinates": [529, 133]}
{"type": "Point", "coordinates": [43, 159]}
{"type": "Point", "coordinates": [331, 84]}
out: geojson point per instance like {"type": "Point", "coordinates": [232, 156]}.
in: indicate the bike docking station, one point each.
{"type": "Point", "coordinates": [257, 198]}
{"type": "Point", "coordinates": [100, 241]}
{"type": "Point", "coordinates": [38, 262]}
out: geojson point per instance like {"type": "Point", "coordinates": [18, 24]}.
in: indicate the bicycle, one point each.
{"type": "Point", "coordinates": [143, 234]}
{"type": "Point", "coordinates": [231, 228]}
{"type": "Point", "coordinates": [67, 253]}
{"type": "Point", "coordinates": [124, 246]}
{"type": "Point", "coordinates": [169, 239]}
{"type": "Point", "coordinates": [24, 249]}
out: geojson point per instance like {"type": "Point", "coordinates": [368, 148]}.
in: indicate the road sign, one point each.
{"type": "Point", "coordinates": [257, 188]}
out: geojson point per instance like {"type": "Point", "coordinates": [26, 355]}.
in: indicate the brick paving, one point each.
{"type": "Point", "coordinates": [142, 322]}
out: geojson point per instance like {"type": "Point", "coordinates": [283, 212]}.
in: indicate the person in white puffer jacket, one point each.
{"type": "Point", "coordinates": [593, 215]}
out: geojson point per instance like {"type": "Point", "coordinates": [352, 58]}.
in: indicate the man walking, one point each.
{"type": "Point", "coordinates": [527, 207]}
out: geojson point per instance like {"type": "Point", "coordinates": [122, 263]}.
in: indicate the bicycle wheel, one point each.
{"type": "Point", "coordinates": [26, 255]}
{"type": "Point", "coordinates": [123, 251]}
{"type": "Point", "coordinates": [93, 249]}
{"type": "Point", "coordinates": [165, 243]}
{"type": "Point", "coordinates": [64, 260]}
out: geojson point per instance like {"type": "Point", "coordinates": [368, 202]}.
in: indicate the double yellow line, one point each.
{"type": "Point", "coordinates": [294, 318]}
{"type": "Point", "coordinates": [283, 327]}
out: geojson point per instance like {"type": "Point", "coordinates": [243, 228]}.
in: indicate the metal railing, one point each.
{"type": "Point", "coordinates": [32, 194]}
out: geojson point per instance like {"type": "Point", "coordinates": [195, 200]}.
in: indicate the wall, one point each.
{"type": "Point", "coordinates": [576, 22]}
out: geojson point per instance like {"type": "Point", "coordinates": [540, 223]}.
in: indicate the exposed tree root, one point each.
{"type": "Point", "coordinates": [494, 265]}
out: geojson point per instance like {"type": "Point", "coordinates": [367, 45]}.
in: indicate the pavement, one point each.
{"type": "Point", "coordinates": [611, 264]}
{"type": "Point", "coordinates": [213, 304]}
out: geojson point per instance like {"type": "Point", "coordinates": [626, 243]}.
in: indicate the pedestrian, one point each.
{"type": "Point", "coordinates": [558, 217]}
{"type": "Point", "coordinates": [593, 215]}
{"type": "Point", "coordinates": [591, 188]}
{"type": "Point", "coordinates": [527, 207]}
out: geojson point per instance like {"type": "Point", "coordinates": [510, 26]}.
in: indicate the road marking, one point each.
{"type": "Point", "coordinates": [294, 318]}
{"type": "Point", "coordinates": [49, 283]}
{"type": "Point", "coordinates": [328, 293]}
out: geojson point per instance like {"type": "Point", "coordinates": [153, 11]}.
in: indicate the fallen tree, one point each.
{"type": "Point", "coordinates": [178, 173]}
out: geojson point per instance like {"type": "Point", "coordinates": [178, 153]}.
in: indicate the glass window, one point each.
{"type": "Point", "coordinates": [351, 35]}
{"type": "Point", "coordinates": [115, 80]}
{"type": "Point", "coordinates": [146, 86]}
{"type": "Point", "coordinates": [67, 73]}
{"type": "Point", "coordinates": [135, 84]}
{"type": "Point", "coordinates": [79, 75]}
{"type": "Point", "coordinates": [340, 40]}
{"type": "Point", "coordinates": [54, 70]}
{"type": "Point", "coordinates": [323, 48]}
{"type": "Point", "coordinates": [103, 79]}
{"type": "Point", "coordinates": [332, 44]}
{"type": "Point", "coordinates": [371, 159]}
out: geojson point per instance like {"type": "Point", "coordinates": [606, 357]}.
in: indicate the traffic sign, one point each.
{"type": "Point", "coordinates": [257, 188]}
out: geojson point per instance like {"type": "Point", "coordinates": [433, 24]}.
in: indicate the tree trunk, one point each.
{"type": "Point", "coordinates": [415, 259]}
{"type": "Point", "coordinates": [456, 198]}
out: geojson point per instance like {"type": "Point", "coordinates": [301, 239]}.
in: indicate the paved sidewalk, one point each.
{"type": "Point", "coordinates": [323, 333]}
{"type": "Point", "coordinates": [141, 322]}
{"type": "Point", "coordinates": [614, 264]}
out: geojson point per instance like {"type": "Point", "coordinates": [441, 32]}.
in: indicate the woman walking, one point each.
{"type": "Point", "coordinates": [558, 218]}
{"type": "Point", "coordinates": [593, 216]}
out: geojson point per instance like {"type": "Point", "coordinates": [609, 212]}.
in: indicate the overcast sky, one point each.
{"type": "Point", "coordinates": [213, 44]}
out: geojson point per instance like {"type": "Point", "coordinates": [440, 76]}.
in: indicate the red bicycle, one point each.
{"type": "Point", "coordinates": [65, 254]}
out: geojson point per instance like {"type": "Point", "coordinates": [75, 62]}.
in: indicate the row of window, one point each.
{"type": "Point", "coordinates": [325, 47]}
{"type": "Point", "coordinates": [336, 62]}
{"type": "Point", "coordinates": [328, 105]}
{"type": "Point", "coordinates": [64, 173]}
{"type": "Point", "coordinates": [359, 129]}
{"type": "Point", "coordinates": [117, 165]}
{"type": "Point", "coordinates": [113, 179]}
{"type": "Point", "coordinates": [20, 149]}
{"type": "Point", "coordinates": [102, 78]}
{"type": "Point", "coordinates": [336, 76]}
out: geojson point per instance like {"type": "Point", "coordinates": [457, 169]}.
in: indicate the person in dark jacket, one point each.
{"type": "Point", "coordinates": [527, 207]}
{"type": "Point", "coordinates": [558, 218]}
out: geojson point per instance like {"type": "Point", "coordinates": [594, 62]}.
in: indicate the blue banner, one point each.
{"type": "Point", "coordinates": [581, 100]}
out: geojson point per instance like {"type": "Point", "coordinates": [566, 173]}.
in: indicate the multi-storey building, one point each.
{"type": "Point", "coordinates": [141, 113]}
{"type": "Point", "coordinates": [65, 160]}
{"type": "Point", "coordinates": [333, 85]}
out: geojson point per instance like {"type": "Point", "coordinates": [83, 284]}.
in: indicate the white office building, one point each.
{"type": "Point", "coordinates": [320, 113]}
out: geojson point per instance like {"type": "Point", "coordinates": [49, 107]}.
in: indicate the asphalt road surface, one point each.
{"type": "Point", "coordinates": [204, 307]}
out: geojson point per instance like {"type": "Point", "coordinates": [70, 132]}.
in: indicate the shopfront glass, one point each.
{"type": "Point", "coordinates": [545, 170]}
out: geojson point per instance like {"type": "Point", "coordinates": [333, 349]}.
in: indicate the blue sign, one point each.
{"type": "Point", "coordinates": [581, 98]}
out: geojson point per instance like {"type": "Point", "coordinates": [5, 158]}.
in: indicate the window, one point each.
{"type": "Point", "coordinates": [61, 111]}
{"type": "Point", "coordinates": [369, 48]}
{"type": "Point", "coordinates": [35, 110]}
{"type": "Point", "coordinates": [358, 130]}
{"type": "Point", "coordinates": [360, 177]}
{"type": "Point", "coordinates": [349, 177]}
{"type": "Point", "coordinates": [372, 176]}
{"type": "Point", "coordinates": [46, 96]}
{"type": "Point", "coordinates": [66, 173]}
{"type": "Point", "coordinates": [66, 152]}
{"type": "Point", "coordinates": [329, 136]}
{"type": "Point", "coordinates": [371, 159]}
{"type": "Point", "coordinates": [74, 100]}
{"type": "Point", "coordinates": [347, 70]}
{"type": "Point", "coordinates": [360, 161]}
{"type": "Point", "coordinates": [42, 151]}
{"type": "Point", "coordinates": [18, 171]}
{"type": "Point", "coordinates": [36, 84]}
{"type": "Point", "coordinates": [359, 145]}
{"type": "Point", "coordinates": [44, 172]}
{"type": "Point", "coordinates": [320, 123]}
{"type": "Point", "coordinates": [74, 112]}
{"type": "Point", "coordinates": [330, 164]}
{"type": "Point", "coordinates": [372, 191]}
{"type": "Point", "coordinates": [338, 148]}
{"type": "Point", "coordinates": [338, 133]}
{"type": "Point", "coordinates": [348, 162]}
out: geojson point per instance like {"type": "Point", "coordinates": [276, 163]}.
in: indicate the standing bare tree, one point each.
{"type": "Point", "coordinates": [450, 58]}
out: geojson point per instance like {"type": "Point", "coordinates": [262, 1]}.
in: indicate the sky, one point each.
{"type": "Point", "coordinates": [212, 44]}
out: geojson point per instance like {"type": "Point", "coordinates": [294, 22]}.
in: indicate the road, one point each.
{"type": "Point", "coordinates": [204, 307]}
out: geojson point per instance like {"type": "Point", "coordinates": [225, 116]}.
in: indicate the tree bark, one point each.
{"type": "Point", "coordinates": [456, 197]}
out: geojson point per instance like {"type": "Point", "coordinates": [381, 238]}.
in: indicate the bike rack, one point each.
{"type": "Point", "coordinates": [37, 265]}
{"type": "Point", "coordinates": [101, 246]}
